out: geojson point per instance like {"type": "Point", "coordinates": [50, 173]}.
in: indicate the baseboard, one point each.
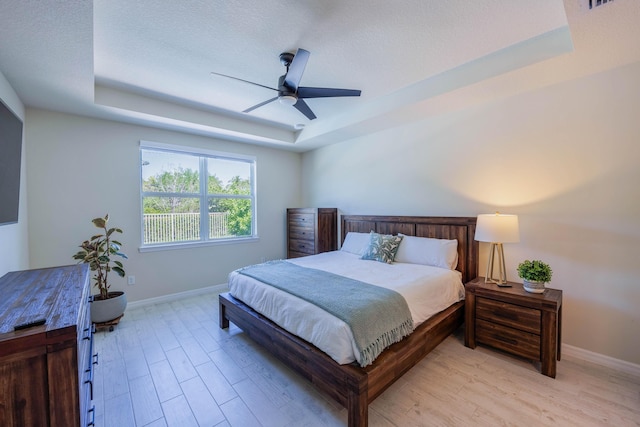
{"type": "Point", "coordinates": [601, 359]}
{"type": "Point", "coordinates": [179, 295]}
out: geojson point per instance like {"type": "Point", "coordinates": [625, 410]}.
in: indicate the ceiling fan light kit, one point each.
{"type": "Point", "coordinates": [289, 91]}
{"type": "Point", "coordinates": [288, 100]}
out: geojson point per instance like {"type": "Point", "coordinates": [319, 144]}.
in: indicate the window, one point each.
{"type": "Point", "coordinates": [192, 196]}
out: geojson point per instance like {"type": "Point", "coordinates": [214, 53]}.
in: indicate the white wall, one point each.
{"type": "Point", "coordinates": [14, 249]}
{"type": "Point", "coordinates": [81, 168]}
{"type": "Point", "coordinates": [565, 158]}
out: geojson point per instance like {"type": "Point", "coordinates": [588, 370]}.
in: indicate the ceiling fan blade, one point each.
{"type": "Point", "coordinates": [294, 74]}
{"type": "Point", "coordinates": [260, 105]}
{"type": "Point", "coordinates": [246, 81]}
{"type": "Point", "coordinates": [325, 92]}
{"type": "Point", "coordinates": [304, 109]}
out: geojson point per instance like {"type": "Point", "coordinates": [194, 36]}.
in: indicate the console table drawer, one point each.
{"type": "Point", "coordinates": [513, 316]}
{"type": "Point", "coordinates": [508, 339]}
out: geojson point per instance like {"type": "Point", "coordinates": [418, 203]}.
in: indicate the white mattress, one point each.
{"type": "Point", "coordinates": [427, 290]}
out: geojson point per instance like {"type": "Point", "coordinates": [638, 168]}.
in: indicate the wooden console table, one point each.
{"type": "Point", "coordinates": [46, 364]}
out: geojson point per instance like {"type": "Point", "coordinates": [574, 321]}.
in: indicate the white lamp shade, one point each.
{"type": "Point", "coordinates": [497, 228]}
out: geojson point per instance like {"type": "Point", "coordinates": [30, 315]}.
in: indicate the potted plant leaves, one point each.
{"type": "Point", "coordinates": [534, 274]}
{"type": "Point", "coordinates": [100, 252]}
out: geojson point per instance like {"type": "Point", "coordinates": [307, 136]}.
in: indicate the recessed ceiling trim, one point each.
{"type": "Point", "coordinates": [399, 107]}
{"type": "Point", "coordinates": [173, 113]}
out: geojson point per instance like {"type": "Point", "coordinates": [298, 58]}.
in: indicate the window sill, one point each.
{"type": "Point", "coordinates": [189, 245]}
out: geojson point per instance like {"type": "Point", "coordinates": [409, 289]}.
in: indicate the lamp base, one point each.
{"type": "Point", "coordinates": [502, 278]}
{"type": "Point", "coordinates": [498, 283]}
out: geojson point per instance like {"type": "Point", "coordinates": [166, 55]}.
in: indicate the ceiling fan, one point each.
{"type": "Point", "coordinates": [289, 93]}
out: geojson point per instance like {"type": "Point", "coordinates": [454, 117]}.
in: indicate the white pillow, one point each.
{"type": "Point", "coordinates": [441, 253]}
{"type": "Point", "coordinates": [355, 243]}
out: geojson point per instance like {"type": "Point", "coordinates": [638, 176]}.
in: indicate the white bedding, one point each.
{"type": "Point", "coordinates": [427, 290]}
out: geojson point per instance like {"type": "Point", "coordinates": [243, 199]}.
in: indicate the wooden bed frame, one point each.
{"type": "Point", "coordinates": [351, 385]}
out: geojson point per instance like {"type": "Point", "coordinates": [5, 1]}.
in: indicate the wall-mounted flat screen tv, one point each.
{"type": "Point", "coordinates": [10, 157]}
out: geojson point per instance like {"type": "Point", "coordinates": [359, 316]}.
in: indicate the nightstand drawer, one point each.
{"type": "Point", "coordinates": [508, 339]}
{"type": "Point", "coordinates": [304, 246]}
{"type": "Point", "coordinates": [513, 316]}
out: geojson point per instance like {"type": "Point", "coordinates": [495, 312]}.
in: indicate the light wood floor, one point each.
{"type": "Point", "coordinates": [170, 365]}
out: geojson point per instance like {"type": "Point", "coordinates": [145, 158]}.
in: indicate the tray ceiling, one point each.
{"type": "Point", "coordinates": [141, 63]}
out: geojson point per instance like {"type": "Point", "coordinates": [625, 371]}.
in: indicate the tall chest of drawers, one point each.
{"type": "Point", "coordinates": [46, 370]}
{"type": "Point", "coordinates": [311, 231]}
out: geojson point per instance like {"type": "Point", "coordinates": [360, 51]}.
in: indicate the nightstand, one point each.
{"type": "Point", "coordinates": [516, 321]}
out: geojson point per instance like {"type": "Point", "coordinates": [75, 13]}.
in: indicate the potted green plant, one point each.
{"type": "Point", "coordinates": [534, 274]}
{"type": "Point", "coordinates": [99, 252]}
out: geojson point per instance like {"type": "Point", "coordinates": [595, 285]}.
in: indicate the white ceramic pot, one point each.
{"type": "Point", "coordinates": [533, 286]}
{"type": "Point", "coordinates": [104, 310]}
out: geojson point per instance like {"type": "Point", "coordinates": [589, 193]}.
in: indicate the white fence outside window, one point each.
{"type": "Point", "coordinates": [180, 227]}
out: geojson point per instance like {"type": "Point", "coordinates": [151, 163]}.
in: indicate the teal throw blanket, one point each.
{"type": "Point", "coordinates": [378, 317]}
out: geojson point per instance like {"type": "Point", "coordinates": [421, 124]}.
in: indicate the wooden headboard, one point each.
{"type": "Point", "coordinates": [460, 228]}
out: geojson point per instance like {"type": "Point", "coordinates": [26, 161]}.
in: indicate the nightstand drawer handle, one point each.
{"type": "Point", "coordinates": [507, 340]}
{"type": "Point", "coordinates": [505, 315]}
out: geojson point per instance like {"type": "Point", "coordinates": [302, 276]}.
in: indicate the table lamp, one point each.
{"type": "Point", "coordinates": [497, 229]}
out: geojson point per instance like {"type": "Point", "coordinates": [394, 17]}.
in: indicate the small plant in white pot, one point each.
{"type": "Point", "coordinates": [99, 252]}
{"type": "Point", "coordinates": [534, 274]}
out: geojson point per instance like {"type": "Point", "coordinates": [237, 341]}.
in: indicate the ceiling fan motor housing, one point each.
{"type": "Point", "coordinates": [284, 90]}
{"type": "Point", "coordinates": [286, 58]}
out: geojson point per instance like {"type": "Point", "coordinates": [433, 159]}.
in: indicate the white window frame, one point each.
{"type": "Point", "coordinates": [203, 155]}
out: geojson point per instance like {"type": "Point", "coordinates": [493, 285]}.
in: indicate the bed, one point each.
{"type": "Point", "coordinates": [351, 385]}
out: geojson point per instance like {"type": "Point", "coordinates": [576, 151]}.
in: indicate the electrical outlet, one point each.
{"type": "Point", "coordinates": [131, 280]}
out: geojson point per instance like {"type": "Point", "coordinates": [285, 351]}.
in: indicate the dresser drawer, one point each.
{"type": "Point", "coordinates": [508, 339]}
{"type": "Point", "coordinates": [304, 246]}
{"type": "Point", "coordinates": [293, 254]}
{"type": "Point", "coordinates": [302, 220]}
{"type": "Point", "coordinates": [513, 316]}
{"type": "Point", "coordinates": [302, 233]}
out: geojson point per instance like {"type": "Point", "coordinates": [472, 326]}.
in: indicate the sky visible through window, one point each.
{"type": "Point", "coordinates": [156, 162]}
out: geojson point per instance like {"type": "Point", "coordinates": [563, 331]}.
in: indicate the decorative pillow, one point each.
{"type": "Point", "coordinates": [441, 253]}
{"type": "Point", "coordinates": [355, 243]}
{"type": "Point", "coordinates": [382, 247]}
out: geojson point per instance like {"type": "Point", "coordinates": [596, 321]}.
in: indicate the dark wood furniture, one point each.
{"type": "Point", "coordinates": [351, 385]}
{"type": "Point", "coordinates": [311, 231]}
{"type": "Point", "coordinates": [46, 371]}
{"type": "Point", "coordinates": [516, 321]}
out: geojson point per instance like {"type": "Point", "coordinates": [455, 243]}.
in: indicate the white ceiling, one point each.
{"type": "Point", "coordinates": [149, 61]}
